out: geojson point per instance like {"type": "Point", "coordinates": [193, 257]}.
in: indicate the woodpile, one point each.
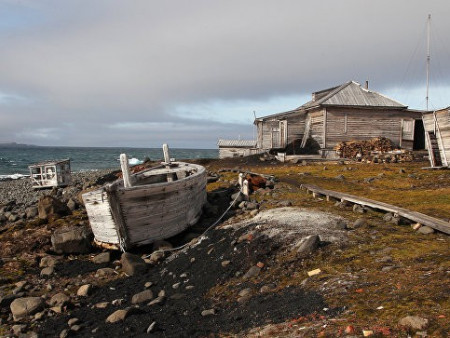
{"type": "Point", "coordinates": [377, 150]}
{"type": "Point", "coordinates": [355, 149]}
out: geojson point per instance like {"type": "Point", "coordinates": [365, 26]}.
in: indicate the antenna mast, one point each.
{"type": "Point", "coordinates": [428, 57]}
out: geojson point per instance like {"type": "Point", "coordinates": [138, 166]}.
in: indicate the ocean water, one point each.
{"type": "Point", "coordinates": [14, 161]}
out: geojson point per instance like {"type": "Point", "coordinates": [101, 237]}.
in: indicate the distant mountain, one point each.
{"type": "Point", "coordinates": [17, 145]}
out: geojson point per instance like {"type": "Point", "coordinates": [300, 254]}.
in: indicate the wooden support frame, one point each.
{"type": "Point", "coordinates": [415, 216]}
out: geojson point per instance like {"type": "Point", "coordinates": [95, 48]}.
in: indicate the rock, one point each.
{"type": "Point", "coordinates": [244, 299]}
{"type": "Point", "coordinates": [414, 322]}
{"type": "Point", "coordinates": [142, 297]}
{"type": "Point", "coordinates": [157, 300]}
{"type": "Point", "coordinates": [340, 177]}
{"type": "Point", "coordinates": [359, 209]}
{"type": "Point", "coordinates": [23, 307]}
{"type": "Point", "coordinates": [151, 327]}
{"type": "Point", "coordinates": [425, 230]}
{"type": "Point", "coordinates": [284, 203]}
{"type": "Point", "coordinates": [48, 271]}
{"type": "Point", "coordinates": [267, 288]}
{"type": "Point", "coordinates": [64, 333]}
{"type": "Point", "coordinates": [103, 272]}
{"type": "Point", "coordinates": [72, 240]}
{"type": "Point", "coordinates": [51, 208]}
{"type": "Point", "coordinates": [176, 285]}
{"type": "Point", "coordinates": [18, 329]}
{"type": "Point", "coordinates": [251, 206]}
{"type": "Point", "coordinates": [117, 316]}
{"type": "Point", "coordinates": [75, 328]}
{"type": "Point", "coordinates": [101, 305]}
{"type": "Point", "coordinates": [253, 213]}
{"type": "Point", "coordinates": [73, 321]}
{"type": "Point", "coordinates": [72, 205]}
{"type": "Point", "coordinates": [360, 222]}
{"type": "Point", "coordinates": [252, 272]}
{"type": "Point", "coordinates": [133, 264]}
{"type": "Point", "coordinates": [307, 245]}
{"type": "Point", "coordinates": [84, 290]}
{"type": "Point", "coordinates": [104, 257]}
{"type": "Point", "coordinates": [47, 261]}
{"type": "Point", "coordinates": [245, 292]}
{"type": "Point", "coordinates": [148, 285]}
{"type": "Point", "coordinates": [60, 299]}
{"type": "Point", "coordinates": [209, 312]}
{"type": "Point", "coordinates": [156, 257]}
{"type": "Point", "coordinates": [31, 212]}
{"type": "Point", "coordinates": [237, 198]}
{"type": "Point", "coordinates": [387, 217]}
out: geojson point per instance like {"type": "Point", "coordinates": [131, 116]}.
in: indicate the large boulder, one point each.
{"type": "Point", "coordinates": [72, 240]}
{"type": "Point", "coordinates": [23, 307]}
{"type": "Point", "coordinates": [50, 207]}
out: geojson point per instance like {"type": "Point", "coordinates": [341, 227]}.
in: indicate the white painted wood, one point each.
{"type": "Point", "coordinates": [148, 212]}
{"type": "Point", "coordinates": [166, 153]}
{"type": "Point", "coordinates": [245, 190]}
{"type": "Point", "coordinates": [125, 170]}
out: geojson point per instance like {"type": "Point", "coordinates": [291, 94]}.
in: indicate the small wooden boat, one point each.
{"type": "Point", "coordinates": [153, 204]}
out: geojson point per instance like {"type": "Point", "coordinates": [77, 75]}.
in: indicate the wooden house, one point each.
{"type": "Point", "coordinates": [237, 148]}
{"type": "Point", "coordinates": [342, 113]}
{"type": "Point", "coordinates": [50, 174]}
{"type": "Point", "coordinates": [437, 134]}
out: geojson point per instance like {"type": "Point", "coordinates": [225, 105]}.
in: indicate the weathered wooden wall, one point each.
{"type": "Point", "coordinates": [346, 124]}
{"type": "Point", "coordinates": [226, 152]}
{"type": "Point", "coordinates": [268, 138]}
{"type": "Point", "coordinates": [317, 126]}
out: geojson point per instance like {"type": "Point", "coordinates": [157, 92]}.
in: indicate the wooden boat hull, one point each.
{"type": "Point", "coordinates": [161, 203]}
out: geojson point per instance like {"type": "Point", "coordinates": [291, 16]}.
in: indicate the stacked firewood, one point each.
{"type": "Point", "coordinates": [359, 149]}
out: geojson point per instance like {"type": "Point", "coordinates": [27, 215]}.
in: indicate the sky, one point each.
{"type": "Point", "coordinates": [144, 72]}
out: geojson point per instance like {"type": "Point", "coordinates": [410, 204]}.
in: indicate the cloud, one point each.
{"type": "Point", "coordinates": [180, 65]}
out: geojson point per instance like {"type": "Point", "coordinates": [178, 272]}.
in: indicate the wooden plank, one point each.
{"type": "Point", "coordinates": [415, 216]}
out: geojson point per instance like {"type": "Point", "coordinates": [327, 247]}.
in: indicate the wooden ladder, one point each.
{"type": "Point", "coordinates": [433, 151]}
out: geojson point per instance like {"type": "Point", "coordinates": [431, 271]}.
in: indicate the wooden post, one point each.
{"type": "Point", "coordinates": [125, 170]}
{"type": "Point", "coordinates": [166, 153]}
{"type": "Point", "coordinates": [241, 180]}
{"type": "Point", "coordinates": [245, 189]}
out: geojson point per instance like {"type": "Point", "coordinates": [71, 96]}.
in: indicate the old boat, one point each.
{"type": "Point", "coordinates": [153, 204]}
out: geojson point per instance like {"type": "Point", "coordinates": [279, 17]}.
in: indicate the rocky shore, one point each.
{"type": "Point", "coordinates": [278, 264]}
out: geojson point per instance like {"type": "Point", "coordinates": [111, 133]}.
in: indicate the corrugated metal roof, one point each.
{"type": "Point", "coordinates": [349, 94]}
{"type": "Point", "coordinates": [352, 94]}
{"type": "Point", "coordinates": [237, 143]}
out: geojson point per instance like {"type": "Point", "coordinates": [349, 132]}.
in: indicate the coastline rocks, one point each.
{"type": "Point", "coordinates": [142, 297]}
{"type": "Point", "coordinates": [23, 307]}
{"type": "Point", "coordinates": [72, 240]}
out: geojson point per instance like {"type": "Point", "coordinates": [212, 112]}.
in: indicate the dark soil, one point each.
{"type": "Point", "coordinates": [180, 315]}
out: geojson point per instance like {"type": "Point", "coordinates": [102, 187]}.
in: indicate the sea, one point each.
{"type": "Point", "coordinates": [14, 161]}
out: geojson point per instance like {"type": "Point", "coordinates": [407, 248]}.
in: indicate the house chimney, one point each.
{"type": "Point", "coordinates": [367, 84]}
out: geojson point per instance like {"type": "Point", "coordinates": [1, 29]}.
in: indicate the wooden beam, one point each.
{"type": "Point", "coordinates": [435, 223]}
{"type": "Point", "coordinates": [166, 153]}
{"type": "Point", "coordinates": [125, 170]}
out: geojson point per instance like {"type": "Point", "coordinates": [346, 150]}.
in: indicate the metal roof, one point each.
{"type": "Point", "coordinates": [237, 143]}
{"type": "Point", "coordinates": [349, 94]}
{"type": "Point", "coordinates": [352, 94]}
